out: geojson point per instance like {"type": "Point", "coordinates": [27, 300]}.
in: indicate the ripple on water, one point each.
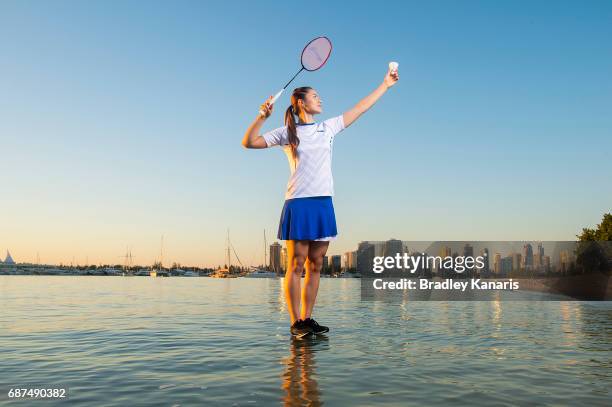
{"type": "Point", "coordinates": [140, 341]}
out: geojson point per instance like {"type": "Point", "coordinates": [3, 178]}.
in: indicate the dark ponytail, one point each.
{"type": "Point", "coordinates": [294, 141]}
{"type": "Point", "coordinates": [292, 111]}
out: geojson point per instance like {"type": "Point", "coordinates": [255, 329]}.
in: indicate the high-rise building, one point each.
{"type": "Point", "coordinates": [528, 256]}
{"type": "Point", "coordinates": [506, 265]}
{"type": "Point", "coordinates": [536, 261]}
{"type": "Point", "coordinates": [377, 246]}
{"type": "Point", "coordinates": [485, 255]}
{"type": "Point", "coordinates": [468, 251]}
{"type": "Point", "coordinates": [393, 247]}
{"type": "Point", "coordinates": [283, 259]}
{"type": "Point", "coordinates": [497, 263]}
{"type": "Point", "coordinates": [335, 263]}
{"type": "Point", "coordinates": [541, 254]}
{"type": "Point", "coordinates": [445, 251]}
{"type": "Point", "coordinates": [349, 260]}
{"type": "Point", "coordinates": [365, 257]}
{"type": "Point", "coordinates": [516, 261]}
{"type": "Point", "coordinates": [275, 257]}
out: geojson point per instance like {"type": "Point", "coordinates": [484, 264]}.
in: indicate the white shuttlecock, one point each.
{"type": "Point", "coordinates": [393, 66]}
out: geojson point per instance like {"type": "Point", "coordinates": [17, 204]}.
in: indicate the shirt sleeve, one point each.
{"type": "Point", "coordinates": [335, 124]}
{"type": "Point", "coordinates": [276, 137]}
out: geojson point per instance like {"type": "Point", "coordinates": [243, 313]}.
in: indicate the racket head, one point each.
{"type": "Point", "coordinates": [316, 53]}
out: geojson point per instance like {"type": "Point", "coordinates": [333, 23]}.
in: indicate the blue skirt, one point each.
{"type": "Point", "coordinates": [307, 219]}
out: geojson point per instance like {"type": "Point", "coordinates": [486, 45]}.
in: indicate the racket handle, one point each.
{"type": "Point", "coordinates": [278, 94]}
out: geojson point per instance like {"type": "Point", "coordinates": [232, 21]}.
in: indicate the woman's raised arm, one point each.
{"type": "Point", "coordinates": [367, 102]}
{"type": "Point", "coordinates": [252, 138]}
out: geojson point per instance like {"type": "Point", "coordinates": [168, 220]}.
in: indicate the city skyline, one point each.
{"type": "Point", "coordinates": [498, 129]}
{"type": "Point", "coordinates": [276, 254]}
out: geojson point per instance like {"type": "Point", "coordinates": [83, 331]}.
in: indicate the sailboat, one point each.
{"type": "Point", "coordinates": [127, 266]}
{"type": "Point", "coordinates": [259, 273]}
{"type": "Point", "coordinates": [226, 272]}
{"type": "Point", "coordinates": [160, 272]}
{"type": "Point", "coordinates": [262, 273]}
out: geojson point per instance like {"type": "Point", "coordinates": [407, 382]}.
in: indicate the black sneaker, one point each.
{"type": "Point", "coordinates": [300, 329]}
{"type": "Point", "coordinates": [316, 328]}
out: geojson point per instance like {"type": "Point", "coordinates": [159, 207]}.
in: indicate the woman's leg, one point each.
{"type": "Point", "coordinates": [314, 264]}
{"type": "Point", "coordinates": [297, 251]}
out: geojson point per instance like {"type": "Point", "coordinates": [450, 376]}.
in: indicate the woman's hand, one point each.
{"type": "Point", "coordinates": [391, 78]}
{"type": "Point", "coordinates": [266, 108]}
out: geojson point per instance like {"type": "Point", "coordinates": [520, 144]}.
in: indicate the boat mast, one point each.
{"type": "Point", "coordinates": [229, 258]}
{"type": "Point", "coordinates": [161, 254]}
{"type": "Point", "coordinates": [126, 262]}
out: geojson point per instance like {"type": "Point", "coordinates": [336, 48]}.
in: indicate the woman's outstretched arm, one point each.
{"type": "Point", "coordinates": [367, 102]}
{"type": "Point", "coordinates": [252, 138]}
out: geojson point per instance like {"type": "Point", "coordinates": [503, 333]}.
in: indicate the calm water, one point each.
{"type": "Point", "coordinates": [118, 341]}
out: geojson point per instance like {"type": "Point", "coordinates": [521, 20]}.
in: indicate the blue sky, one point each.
{"type": "Point", "coordinates": [122, 121]}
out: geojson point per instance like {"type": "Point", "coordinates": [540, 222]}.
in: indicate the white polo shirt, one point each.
{"type": "Point", "coordinates": [311, 171]}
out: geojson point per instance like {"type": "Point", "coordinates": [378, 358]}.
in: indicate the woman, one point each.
{"type": "Point", "coordinates": [308, 221]}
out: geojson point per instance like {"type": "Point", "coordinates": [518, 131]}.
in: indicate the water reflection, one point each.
{"type": "Point", "coordinates": [226, 342]}
{"type": "Point", "coordinates": [299, 385]}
